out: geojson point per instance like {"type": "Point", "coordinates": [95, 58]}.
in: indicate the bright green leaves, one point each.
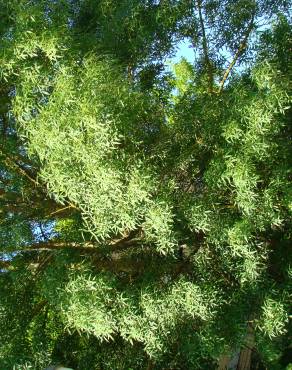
{"type": "Point", "coordinates": [232, 132]}
{"type": "Point", "coordinates": [200, 217]}
{"type": "Point", "coordinates": [94, 305]}
{"type": "Point", "coordinates": [251, 140]}
{"type": "Point", "coordinates": [158, 227]}
{"type": "Point", "coordinates": [274, 318]}
{"type": "Point", "coordinates": [89, 306]}
{"type": "Point", "coordinates": [26, 43]}
{"type": "Point", "coordinates": [78, 135]}
{"type": "Point", "coordinates": [184, 74]}
{"type": "Point", "coordinates": [164, 205]}
{"type": "Point", "coordinates": [244, 179]}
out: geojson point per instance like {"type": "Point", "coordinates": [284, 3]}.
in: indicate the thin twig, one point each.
{"type": "Point", "coordinates": [61, 210]}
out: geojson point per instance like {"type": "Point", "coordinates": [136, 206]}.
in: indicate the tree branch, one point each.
{"type": "Point", "coordinates": [240, 50]}
{"type": "Point", "coordinates": [86, 247]}
{"type": "Point", "coordinates": [42, 232]}
{"type": "Point", "coordinates": [127, 241]}
{"type": "Point", "coordinates": [60, 210]}
{"type": "Point", "coordinates": [14, 165]}
{"type": "Point", "coordinates": [58, 245]}
{"type": "Point", "coordinates": [205, 47]}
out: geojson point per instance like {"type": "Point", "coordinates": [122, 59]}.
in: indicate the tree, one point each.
{"type": "Point", "coordinates": [145, 213]}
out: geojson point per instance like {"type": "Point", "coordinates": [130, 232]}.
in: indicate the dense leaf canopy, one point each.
{"type": "Point", "coordinates": [145, 207]}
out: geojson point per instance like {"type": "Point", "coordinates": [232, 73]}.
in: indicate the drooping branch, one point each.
{"type": "Point", "coordinates": [238, 53]}
{"type": "Point", "coordinates": [205, 47]}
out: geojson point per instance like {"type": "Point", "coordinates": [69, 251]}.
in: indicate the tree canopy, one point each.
{"type": "Point", "coordinates": [145, 207]}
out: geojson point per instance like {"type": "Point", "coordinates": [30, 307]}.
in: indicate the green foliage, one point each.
{"type": "Point", "coordinates": [274, 318]}
{"type": "Point", "coordinates": [145, 214]}
{"type": "Point", "coordinates": [93, 305]}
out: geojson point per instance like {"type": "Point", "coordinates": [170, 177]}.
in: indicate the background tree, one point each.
{"type": "Point", "coordinates": [145, 214]}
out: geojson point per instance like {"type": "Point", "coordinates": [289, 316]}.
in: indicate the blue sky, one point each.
{"type": "Point", "coordinates": [184, 49]}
